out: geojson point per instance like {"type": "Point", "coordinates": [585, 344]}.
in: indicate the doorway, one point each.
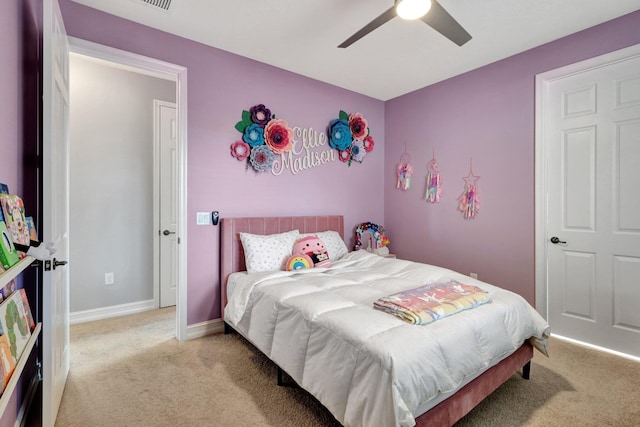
{"type": "Point", "coordinates": [587, 226]}
{"type": "Point", "coordinates": [135, 205]}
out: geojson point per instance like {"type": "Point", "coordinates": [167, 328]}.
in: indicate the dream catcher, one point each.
{"type": "Point", "coordinates": [433, 181]}
{"type": "Point", "coordinates": [469, 202]}
{"type": "Point", "coordinates": [404, 171]}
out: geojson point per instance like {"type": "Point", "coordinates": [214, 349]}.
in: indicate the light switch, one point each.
{"type": "Point", "coordinates": [203, 218]}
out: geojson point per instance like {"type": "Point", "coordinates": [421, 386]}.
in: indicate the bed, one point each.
{"type": "Point", "coordinates": [367, 367]}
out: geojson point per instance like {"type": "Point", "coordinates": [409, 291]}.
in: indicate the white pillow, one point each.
{"type": "Point", "coordinates": [267, 252]}
{"type": "Point", "coordinates": [332, 241]}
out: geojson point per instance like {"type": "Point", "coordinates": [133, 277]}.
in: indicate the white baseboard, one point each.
{"type": "Point", "coordinates": [113, 311]}
{"type": "Point", "coordinates": [194, 331]}
{"type": "Point", "coordinates": [203, 329]}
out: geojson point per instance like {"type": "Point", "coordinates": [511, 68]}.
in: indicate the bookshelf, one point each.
{"type": "Point", "coordinates": [5, 278]}
{"type": "Point", "coordinates": [14, 271]}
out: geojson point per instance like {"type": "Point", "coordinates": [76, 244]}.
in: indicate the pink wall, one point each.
{"type": "Point", "coordinates": [486, 114]}
{"type": "Point", "coordinates": [220, 86]}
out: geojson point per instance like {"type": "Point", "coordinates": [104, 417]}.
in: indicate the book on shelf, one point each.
{"type": "Point", "coordinates": [27, 309]}
{"type": "Point", "coordinates": [31, 226]}
{"type": "Point", "coordinates": [8, 254]}
{"type": "Point", "coordinates": [14, 324]}
{"type": "Point", "coordinates": [7, 289]}
{"type": "Point", "coordinates": [15, 218]}
{"type": "Point", "coordinates": [7, 364]}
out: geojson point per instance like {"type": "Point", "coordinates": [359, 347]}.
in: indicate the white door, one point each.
{"type": "Point", "coordinates": [592, 141]}
{"type": "Point", "coordinates": [55, 193]}
{"type": "Point", "coordinates": [166, 132]}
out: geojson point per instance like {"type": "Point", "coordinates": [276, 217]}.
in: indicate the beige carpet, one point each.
{"type": "Point", "coordinates": [130, 371]}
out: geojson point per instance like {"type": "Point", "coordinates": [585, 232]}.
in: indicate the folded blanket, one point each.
{"type": "Point", "coordinates": [432, 302]}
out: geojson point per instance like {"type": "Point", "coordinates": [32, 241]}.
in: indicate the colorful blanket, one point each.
{"type": "Point", "coordinates": [429, 303]}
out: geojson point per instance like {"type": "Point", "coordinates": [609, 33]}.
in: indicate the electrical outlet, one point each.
{"type": "Point", "coordinates": [474, 275]}
{"type": "Point", "coordinates": [203, 218]}
{"type": "Point", "coordinates": [108, 278]}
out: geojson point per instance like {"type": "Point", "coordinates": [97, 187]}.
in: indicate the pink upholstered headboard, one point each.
{"type": "Point", "coordinates": [232, 254]}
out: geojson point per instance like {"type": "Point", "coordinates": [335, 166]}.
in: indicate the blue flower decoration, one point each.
{"type": "Point", "coordinates": [339, 134]}
{"type": "Point", "coordinates": [254, 135]}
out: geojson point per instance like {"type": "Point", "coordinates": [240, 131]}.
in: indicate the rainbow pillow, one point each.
{"type": "Point", "coordinates": [298, 262]}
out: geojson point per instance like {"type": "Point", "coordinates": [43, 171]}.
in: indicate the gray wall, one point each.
{"type": "Point", "coordinates": [111, 188]}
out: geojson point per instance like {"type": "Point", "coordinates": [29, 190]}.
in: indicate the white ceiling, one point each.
{"type": "Point", "coordinates": [397, 58]}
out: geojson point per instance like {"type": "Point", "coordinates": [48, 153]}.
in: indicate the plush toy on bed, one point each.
{"type": "Point", "coordinates": [308, 252]}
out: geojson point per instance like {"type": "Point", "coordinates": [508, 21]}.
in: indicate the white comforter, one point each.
{"type": "Point", "coordinates": [368, 367]}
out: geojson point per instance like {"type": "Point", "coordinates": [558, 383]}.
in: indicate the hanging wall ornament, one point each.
{"type": "Point", "coordinates": [469, 201]}
{"type": "Point", "coordinates": [404, 171]}
{"type": "Point", "coordinates": [433, 181]}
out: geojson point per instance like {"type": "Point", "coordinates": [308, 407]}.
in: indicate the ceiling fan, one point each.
{"type": "Point", "coordinates": [429, 11]}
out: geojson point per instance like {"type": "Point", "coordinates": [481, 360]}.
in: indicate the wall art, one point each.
{"type": "Point", "coordinates": [469, 202]}
{"type": "Point", "coordinates": [404, 171]}
{"type": "Point", "coordinates": [263, 137]}
{"type": "Point", "coordinates": [434, 190]}
{"type": "Point", "coordinates": [349, 134]}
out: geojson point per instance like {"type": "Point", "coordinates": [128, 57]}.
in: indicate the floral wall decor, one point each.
{"type": "Point", "coordinates": [263, 137]}
{"type": "Point", "coordinates": [349, 134]}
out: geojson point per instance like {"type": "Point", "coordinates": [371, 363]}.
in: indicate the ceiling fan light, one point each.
{"type": "Point", "coordinates": [412, 9]}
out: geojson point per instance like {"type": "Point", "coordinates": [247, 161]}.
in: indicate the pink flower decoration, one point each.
{"type": "Point", "coordinates": [344, 155]}
{"type": "Point", "coordinates": [240, 150]}
{"type": "Point", "coordinates": [358, 125]}
{"type": "Point", "coordinates": [368, 144]}
{"type": "Point", "coordinates": [278, 136]}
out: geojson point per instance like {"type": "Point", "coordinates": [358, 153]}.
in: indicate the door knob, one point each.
{"type": "Point", "coordinates": [555, 240]}
{"type": "Point", "coordinates": [57, 263]}
{"type": "Point", "coordinates": [167, 232]}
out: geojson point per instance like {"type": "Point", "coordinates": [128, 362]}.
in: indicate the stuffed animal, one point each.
{"type": "Point", "coordinates": [38, 250]}
{"type": "Point", "coordinates": [315, 249]}
{"type": "Point", "coordinates": [299, 262]}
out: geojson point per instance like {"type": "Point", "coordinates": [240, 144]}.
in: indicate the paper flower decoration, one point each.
{"type": "Point", "coordinates": [349, 134]}
{"type": "Point", "coordinates": [339, 134]}
{"type": "Point", "coordinates": [261, 158]}
{"type": "Point", "coordinates": [263, 136]}
{"type": "Point", "coordinates": [240, 150]}
{"type": "Point", "coordinates": [278, 136]}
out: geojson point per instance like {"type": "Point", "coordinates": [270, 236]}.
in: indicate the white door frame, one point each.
{"type": "Point", "coordinates": [177, 73]}
{"type": "Point", "coordinates": [542, 236]}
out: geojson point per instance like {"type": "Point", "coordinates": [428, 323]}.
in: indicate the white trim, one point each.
{"type": "Point", "coordinates": [203, 329]}
{"type": "Point", "coordinates": [112, 311]}
{"type": "Point", "coordinates": [178, 74]}
{"type": "Point", "coordinates": [543, 81]}
{"type": "Point", "coordinates": [598, 348]}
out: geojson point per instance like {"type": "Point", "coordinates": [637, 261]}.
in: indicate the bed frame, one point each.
{"type": "Point", "coordinates": [445, 413]}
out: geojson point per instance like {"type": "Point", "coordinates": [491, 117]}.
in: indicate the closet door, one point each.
{"type": "Point", "coordinates": [592, 136]}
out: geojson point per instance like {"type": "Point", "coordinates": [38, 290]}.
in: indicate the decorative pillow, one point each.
{"type": "Point", "coordinates": [267, 252]}
{"type": "Point", "coordinates": [298, 262]}
{"type": "Point", "coordinates": [333, 242]}
{"type": "Point", "coordinates": [314, 248]}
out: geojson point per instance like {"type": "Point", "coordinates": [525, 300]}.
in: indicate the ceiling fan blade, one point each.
{"type": "Point", "coordinates": [382, 19]}
{"type": "Point", "coordinates": [440, 20]}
